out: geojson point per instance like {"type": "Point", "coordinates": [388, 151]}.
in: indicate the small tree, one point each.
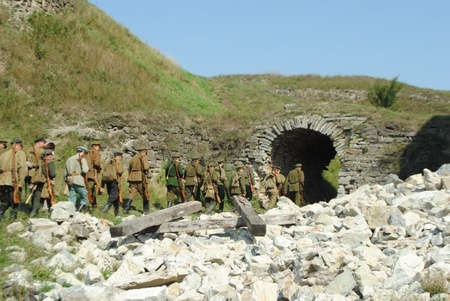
{"type": "Point", "coordinates": [384, 94]}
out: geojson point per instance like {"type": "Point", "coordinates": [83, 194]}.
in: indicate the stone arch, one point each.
{"type": "Point", "coordinates": [312, 140]}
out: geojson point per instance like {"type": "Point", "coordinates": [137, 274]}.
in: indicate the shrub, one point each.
{"type": "Point", "coordinates": [384, 94]}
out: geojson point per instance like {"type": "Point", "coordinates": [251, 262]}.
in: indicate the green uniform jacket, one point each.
{"type": "Point", "coordinates": [136, 168]}
{"type": "Point", "coordinates": [20, 168]}
{"type": "Point", "coordinates": [294, 181]}
{"type": "Point", "coordinates": [171, 174]}
{"type": "Point", "coordinates": [221, 177]}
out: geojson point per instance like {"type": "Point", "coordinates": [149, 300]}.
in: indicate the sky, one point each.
{"type": "Point", "coordinates": [408, 39]}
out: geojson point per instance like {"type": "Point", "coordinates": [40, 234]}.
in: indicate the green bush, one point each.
{"type": "Point", "coordinates": [384, 94]}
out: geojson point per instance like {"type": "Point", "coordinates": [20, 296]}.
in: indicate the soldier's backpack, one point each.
{"type": "Point", "coordinates": [109, 173]}
{"type": "Point", "coordinates": [39, 177]}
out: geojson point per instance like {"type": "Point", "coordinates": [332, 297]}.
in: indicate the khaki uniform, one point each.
{"type": "Point", "coordinates": [137, 180]}
{"type": "Point", "coordinates": [33, 155]}
{"type": "Point", "coordinates": [193, 180]}
{"type": "Point", "coordinates": [12, 175]}
{"type": "Point", "coordinates": [93, 159]}
{"type": "Point", "coordinates": [209, 189]}
{"type": "Point", "coordinates": [222, 185]}
{"type": "Point", "coordinates": [293, 186]}
{"type": "Point", "coordinates": [112, 179]}
{"type": "Point", "coordinates": [237, 184]}
{"type": "Point", "coordinates": [269, 183]}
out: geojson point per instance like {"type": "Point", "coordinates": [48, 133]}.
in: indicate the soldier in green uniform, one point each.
{"type": "Point", "coordinates": [193, 178]}
{"type": "Point", "coordinates": [94, 160]}
{"type": "Point", "coordinates": [293, 186]}
{"type": "Point", "coordinates": [272, 183]}
{"type": "Point", "coordinates": [249, 180]}
{"type": "Point", "coordinates": [222, 182]}
{"type": "Point", "coordinates": [174, 172]}
{"type": "Point", "coordinates": [137, 180]}
{"type": "Point", "coordinates": [210, 188]}
{"type": "Point", "coordinates": [13, 169]}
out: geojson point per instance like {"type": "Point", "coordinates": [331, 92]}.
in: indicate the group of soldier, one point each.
{"type": "Point", "coordinates": [87, 176]}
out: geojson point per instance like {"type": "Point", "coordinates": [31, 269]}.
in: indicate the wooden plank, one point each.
{"type": "Point", "coordinates": [156, 218]}
{"type": "Point", "coordinates": [252, 220]}
{"type": "Point", "coordinates": [216, 223]}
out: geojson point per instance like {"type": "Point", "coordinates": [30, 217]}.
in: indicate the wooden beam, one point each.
{"type": "Point", "coordinates": [156, 218]}
{"type": "Point", "coordinates": [216, 223]}
{"type": "Point", "coordinates": [252, 220]}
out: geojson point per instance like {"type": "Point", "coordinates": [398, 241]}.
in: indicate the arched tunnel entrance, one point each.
{"type": "Point", "coordinates": [315, 151]}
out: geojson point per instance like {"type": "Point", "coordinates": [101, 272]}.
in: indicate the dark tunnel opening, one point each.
{"type": "Point", "coordinates": [315, 151]}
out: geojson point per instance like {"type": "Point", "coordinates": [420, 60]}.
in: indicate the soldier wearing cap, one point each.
{"type": "Point", "coordinates": [137, 180]}
{"type": "Point", "coordinates": [34, 154]}
{"type": "Point", "coordinates": [222, 182]}
{"type": "Point", "coordinates": [174, 172]}
{"type": "Point", "coordinates": [94, 160]}
{"type": "Point", "coordinates": [209, 190]}
{"type": "Point", "coordinates": [272, 184]}
{"type": "Point", "coordinates": [13, 169]}
{"type": "Point", "coordinates": [293, 186]}
{"type": "Point", "coordinates": [76, 168]}
{"type": "Point", "coordinates": [193, 177]}
{"type": "Point", "coordinates": [237, 182]}
{"type": "Point", "coordinates": [112, 179]}
{"type": "Point", "coordinates": [43, 175]}
{"type": "Point", "coordinates": [249, 180]}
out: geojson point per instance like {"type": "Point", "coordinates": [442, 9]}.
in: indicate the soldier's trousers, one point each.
{"type": "Point", "coordinates": [190, 191]}
{"type": "Point", "coordinates": [7, 200]}
{"type": "Point", "coordinates": [173, 195]}
{"type": "Point", "coordinates": [296, 197]}
{"type": "Point", "coordinates": [136, 188]}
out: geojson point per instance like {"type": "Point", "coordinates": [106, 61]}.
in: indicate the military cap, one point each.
{"type": "Point", "coordinates": [118, 153]}
{"type": "Point", "coordinates": [47, 152]}
{"type": "Point", "coordinates": [16, 141]}
{"type": "Point", "coordinates": [96, 142]}
{"type": "Point", "coordinates": [39, 139]}
{"type": "Point", "coordinates": [195, 157]}
{"type": "Point", "coordinates": [3, 142]}
{"type": "Point", "coordinates": [82, 149]}
{"type": "Point", "coordinates": [238, 167]}
{"type": "Point", "coordinates": [298, 165]}
{"type": "Point", "coordinates": [220, 160]}
{"type": "Point", "coordinates": [247, 162]}
{"type": "Point", "coordinates": [211, 164]}
{"type": "Point", "coordinates": [276, 167]}
{"type": "Point", "coordinates": [141, 147]}
{"type": "Point", "coordinates": [175, 155]}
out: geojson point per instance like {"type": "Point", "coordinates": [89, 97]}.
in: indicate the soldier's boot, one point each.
{"type": "Point", "coordinates": [116, 209]}
{"type": "Point", "coordinates": [106, 207]}
{"type": "Point", "coordinates": [13, 213]}
{"type": "Point", "coordinates": [3, 209]}
{"type": "Point", "coordinates": [33, 212]}
{"type": "Point", "coordinates": [127, 206]}
{"type": "Point", "coordinates": [146, 206]}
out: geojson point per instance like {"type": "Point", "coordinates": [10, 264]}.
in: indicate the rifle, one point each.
{"type": "Point", "coordinates": [31, 194]}
{"type": "Point", "coordinates": [49, 184]}
{"type": "Point", "coordinates": [180, 182]}
{"type": "Point", "coordinates": [99, 188]}
{"type": "Point", "coordinates": [119, 181]}
{"type": "Point", "coordinates": [16, 196]}
{"type": "Point", "coordinates": [86, 183]}
{"type": "Point", "coordinates": [144, 181]}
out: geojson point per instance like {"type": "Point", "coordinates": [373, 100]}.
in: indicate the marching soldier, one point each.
{"type": "Point", "coordinates": [210, 188]}
{"type": "Point", "coordinates": [76, 168]}
{"type": "Point", "coordinates": [249, 180]}
{"type": "Point", "coordinates": [293, 186]}
{"type": "Point", "coordinates": [13, 169]}
{"type": "Point", "coordinates": [42, 178]}
{"type": "Point", "coordinates": [137, 180]}
{"type": "Point", "coordinates": [193, 177]}
{"type": "Point", "coordinates": [174, 181]}
{"type": "Point", "coordinates": [237, 182]}
{"type": "Point", "coordinates": [112, 178]}
{"type": "Point", "coordinates": [222, 182]}
{"type": "Point", "coordinates": [34, 154]}
{"type": "Point", "coordinates": [94, 160]}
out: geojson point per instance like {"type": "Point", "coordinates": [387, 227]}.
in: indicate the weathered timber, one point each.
{"type": "Point", "coordinates": [156, 218]}
{"type": "Point", "coordinates": [252, 220]}
{"type": "Point", "coordinates": [215, 223]}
